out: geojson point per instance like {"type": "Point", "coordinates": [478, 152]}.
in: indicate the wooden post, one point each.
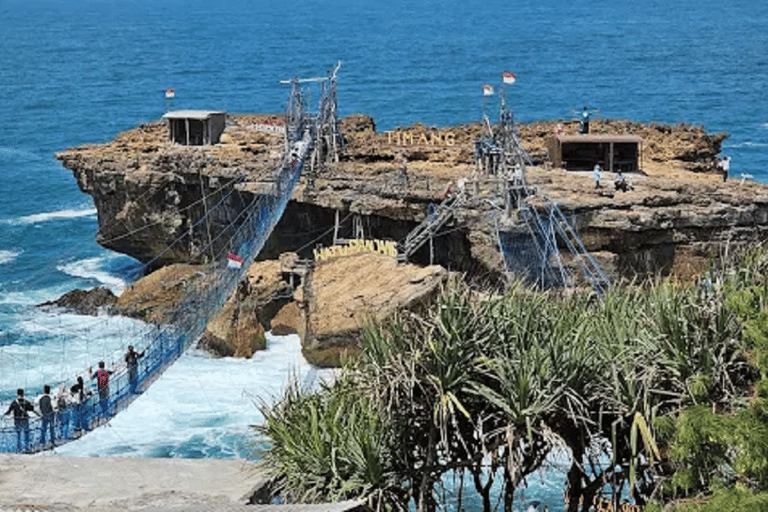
{"type": "Point", "coordinates": [336, 229]}
{"type": "Point", "coordinates": [186, 124]}
{"type": "Point", "coordinates": [610, 157]}
{"type": "Point", "coordinates": [205, 213]}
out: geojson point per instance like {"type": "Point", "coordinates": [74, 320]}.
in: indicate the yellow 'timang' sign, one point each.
{"type": "Point", "coordinates": [359, 246]}
{"type": "Point", "coordinates": [432, 138]}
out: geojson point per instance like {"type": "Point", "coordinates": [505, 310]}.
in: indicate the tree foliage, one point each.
{"type": "Point", "coordinates": [659, 389]}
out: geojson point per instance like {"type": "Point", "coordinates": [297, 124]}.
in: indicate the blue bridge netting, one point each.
{"type": "Point", "coordinates": [532, 250]}
{"type": "Point", "coordinates": [204, 296]}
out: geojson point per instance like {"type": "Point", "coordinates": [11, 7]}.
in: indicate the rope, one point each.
{"type": "Point", "coordinates": [205, 293]}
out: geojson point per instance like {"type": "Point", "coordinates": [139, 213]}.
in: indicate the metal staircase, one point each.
{"type": "Point", "coordinates": [435, 219]}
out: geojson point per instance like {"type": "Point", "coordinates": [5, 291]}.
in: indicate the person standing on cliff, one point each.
{"type": "Point", "coordinates": [102, 383]}
{"type": "Point", "coordinates": [597, 175]}
{"type": "Point", "coordinates": [584, 119]}
{"type": "Point", "coordinates": [20, 409]}
{"type": "Point", "coordinates": [132, 360]}
{"type": "Point", "coordinates": [725, 167]}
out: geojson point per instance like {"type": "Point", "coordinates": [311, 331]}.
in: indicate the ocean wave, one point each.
{"type": "Point", "coordinates": [57, 215]}
{"type": "Point", "coordinates": [747, 144]}
{"type": "Point", "coordinates": [30, 297]}
{"type": "Point", "coordinates": [8, 256]}
{"type": "Point", "coordinates": [55, 346]}
{"type": "Point", "coordinates": [91, 268]}
{"type": "Point", "coordinates": [202, 405]}
{"type": "Point", "coordinates": [16, 152]}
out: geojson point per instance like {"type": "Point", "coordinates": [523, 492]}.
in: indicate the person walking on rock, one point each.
{"type": "Point", "coordinates": [46, 412]}
{"type": "Point", "coordinates": [132, 360]}
{"type": "Point", "coordinates": [20, 409]}
{"type": "Point", "coordinates": [102, 383]}
{"type": "Point", "coordinates": [725, 167]}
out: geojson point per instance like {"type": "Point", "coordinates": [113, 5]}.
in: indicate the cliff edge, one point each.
{"type": "Point", "coordinates": [152, 197]}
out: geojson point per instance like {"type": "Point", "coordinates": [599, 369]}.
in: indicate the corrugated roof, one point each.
{"type": "Point", "coordinates": [599, 138]}
{"type": "Point", "coordinates": [192, 114]}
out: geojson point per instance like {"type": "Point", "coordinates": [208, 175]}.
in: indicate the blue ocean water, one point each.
{"type": "Point", "coordinates": [81, 71]}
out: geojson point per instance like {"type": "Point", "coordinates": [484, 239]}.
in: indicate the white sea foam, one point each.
{"type": "Point", "coordinates": [8, 256]}
{"type": "Point", "coordinates": [49, 216]}
{"type": "Point", "coordinates": [201, 406]}
{"type": "Point", "coordinates": [67, 344]}
{"type": "Point", "coordinates": [746, 144]}
{"type": "Point", "coordinates": [91, 268]}
{"type": "Point", "coordinates": [16, 153]}
{"type": "Point", "coordinates": [32, 297]}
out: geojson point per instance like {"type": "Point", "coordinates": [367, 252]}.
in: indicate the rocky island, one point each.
{"type": "Point", "coordinates": [152, 194]}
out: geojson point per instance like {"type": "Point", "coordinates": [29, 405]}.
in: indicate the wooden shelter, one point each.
{"type": "Point", "coordinates": [613, 153]}
{"type": "Point", "coordinates": [196, 127]}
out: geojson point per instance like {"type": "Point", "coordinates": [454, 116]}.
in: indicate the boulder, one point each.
{"type": "Point", "coordinates": [84, 302]}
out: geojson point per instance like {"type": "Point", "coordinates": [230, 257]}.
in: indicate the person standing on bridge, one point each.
{"type": "Point", "coordinates": [80, 398]}
{"type": "Point", "coordinates": [132, 360]}
{"type": "Point", "coordinates": [102, 383]}
{"type": "Point", "coordinates": [63, 401]}
{"type": "Point", "coordinates": [45, 404]}
{"type": "Point", "coordinates": [20, 408]}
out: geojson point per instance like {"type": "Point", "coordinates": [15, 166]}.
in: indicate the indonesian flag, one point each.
{"type": "Point", "coordinates": [508, 78]}
{"type": "Point", "coordinates": [234, 261]}
{"type": "Point", "coordinates": [170, 93]}
{"type": "Point", "coordinates": [487, 90]}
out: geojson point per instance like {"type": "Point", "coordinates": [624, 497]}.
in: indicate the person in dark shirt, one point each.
{"type": "Point", "coordinates": [132, 360]}
{"type": "Point", "coordinates": [20, 409]}
{"type": "Point", "coordinates": [46, 412]}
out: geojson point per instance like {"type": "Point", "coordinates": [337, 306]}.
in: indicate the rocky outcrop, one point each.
{"type": "Point", "coordinates": [347, 291]}
{"type": "Point", "coordinates": [84, 302]}
{"type": "Point", "coordinates": [152, 198]}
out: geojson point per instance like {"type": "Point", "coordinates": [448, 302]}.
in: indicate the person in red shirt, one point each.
{"type": "Point", "coordinates": [102, 383]}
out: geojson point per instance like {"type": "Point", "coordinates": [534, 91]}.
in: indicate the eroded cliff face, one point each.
{"type": "Point", "coordinates": [152, 197]}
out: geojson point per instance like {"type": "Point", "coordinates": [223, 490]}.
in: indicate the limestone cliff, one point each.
{"type": "Point", "coordinates": [152, 197]}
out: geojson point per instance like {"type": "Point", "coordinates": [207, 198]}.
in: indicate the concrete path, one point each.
{"type": "Point", "coordinates": [120, 484]}
{"type": "Point", "coordinates": [53, 483]}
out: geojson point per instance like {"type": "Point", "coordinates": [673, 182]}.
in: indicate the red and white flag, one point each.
{"type": "Point", "coordinates": [508, 78]}
{"type": "Point", "coordinates": [487, 90]}
{"type": "Point", "coordinates": [234, 261]}
{"type": "Point", "coordinates": [170, 93]}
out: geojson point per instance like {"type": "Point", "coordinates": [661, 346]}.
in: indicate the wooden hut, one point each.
{"type": "Point", "coordinates": [196, 127]}
{"type": "Point", "coordinates": [613, 153]}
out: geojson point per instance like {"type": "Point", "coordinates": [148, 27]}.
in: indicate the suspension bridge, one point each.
{"type": "Point", "coordinates": [530, 236]}
{"type": "Point", "coordinates": [310, 140]}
